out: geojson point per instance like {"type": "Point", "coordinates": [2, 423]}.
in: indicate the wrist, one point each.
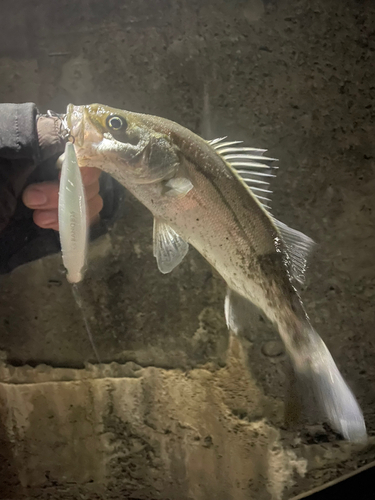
{"type": "Point", "coordinates": [50, 137]}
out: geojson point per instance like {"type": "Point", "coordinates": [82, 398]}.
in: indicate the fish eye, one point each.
{"type": "Point", "coordinates": [115, 122]}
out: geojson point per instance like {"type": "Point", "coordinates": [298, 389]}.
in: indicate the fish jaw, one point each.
{"type": "Point", "coordinates": [75, 122]}
{"type": "Point", "coordinates": [87, 137]}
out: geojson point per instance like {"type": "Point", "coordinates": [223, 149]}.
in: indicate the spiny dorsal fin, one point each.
{"type": "Point", "coordinates": [215, 141]}
{"type": "Point", "coordinates": [256, 171]}
{"type": "Point", "coordinates": [250, 164]}
{"type": "Point", "coordinates": [298, 246]}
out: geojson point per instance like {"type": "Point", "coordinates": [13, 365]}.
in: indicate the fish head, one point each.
{"type": "Point", "coordinates": [122, 143]}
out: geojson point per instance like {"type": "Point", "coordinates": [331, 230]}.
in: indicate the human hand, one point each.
{"type": "Point", "coordinates": [43, 198]}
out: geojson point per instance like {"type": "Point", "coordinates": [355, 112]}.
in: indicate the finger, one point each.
{"type": "Point", "coordinates": [48, 219]}
{"type": "Point", "coordinates": [45, 195]}
{"type": "Point", "coordinates": [94, 207]}
{"type": "Point", "coordinates": [92, 190]}
{"type": "Point", "coordinates": [90, 175]}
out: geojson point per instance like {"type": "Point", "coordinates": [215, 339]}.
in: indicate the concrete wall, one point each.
{"type": "Point", "coordinates": [176, 410]}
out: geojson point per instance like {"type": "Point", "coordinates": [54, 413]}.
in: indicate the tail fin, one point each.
{"type": "Point", "coordinates": [315, 364]}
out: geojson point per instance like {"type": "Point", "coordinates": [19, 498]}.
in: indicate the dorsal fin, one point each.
{"type": "Point", "coordinates": [249, 163]}
{"type": "Point", "coordinates": [215, 141]}
{"type": "Point", "coordinates": [256, 171]}
{"type": "Point", "coordinates": [298, 247]}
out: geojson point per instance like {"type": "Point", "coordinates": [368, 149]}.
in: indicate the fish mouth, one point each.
{"type": "Point", "coordinates": [81, 127]}
{"type": "Point", "coordinates": [76, 123]}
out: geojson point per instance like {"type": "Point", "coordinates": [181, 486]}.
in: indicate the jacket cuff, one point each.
{"type": "Point", "coordinates": [50, 139]}
{"type": "Point", "coordinates": [18, 134]}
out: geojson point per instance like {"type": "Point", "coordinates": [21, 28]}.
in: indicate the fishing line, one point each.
{"type": "Point", "coordinates": [78, 298]}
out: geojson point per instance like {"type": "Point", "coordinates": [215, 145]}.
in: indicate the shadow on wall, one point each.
{"type": "Point", "coordinates": [358, 485]}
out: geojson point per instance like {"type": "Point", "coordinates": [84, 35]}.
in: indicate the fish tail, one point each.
{"type": "Point", "coordinates": [313, 363]}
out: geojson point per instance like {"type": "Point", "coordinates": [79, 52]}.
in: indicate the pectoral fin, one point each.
{"type": "Point", "coordinates": [178, 187]}
{"type": "Point", "coordinates": [169, 247]}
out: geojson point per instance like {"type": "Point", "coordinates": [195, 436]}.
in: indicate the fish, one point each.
{"type": "Point", "coordinates": [214, 195]}
{"type": "Point", "coordinates": [73, 226]}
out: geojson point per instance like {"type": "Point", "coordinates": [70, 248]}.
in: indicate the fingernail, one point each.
{"type": "Point", "coordinates": [47, 218]}
{"type": "Point", "coordinates": [35, 198]}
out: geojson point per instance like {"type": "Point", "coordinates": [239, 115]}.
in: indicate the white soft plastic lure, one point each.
{"type": "Point", "coordinates": [73, 226]}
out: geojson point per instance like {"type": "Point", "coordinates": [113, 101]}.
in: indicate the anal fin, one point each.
{"type": "Point", "coordinates": [238, 312]}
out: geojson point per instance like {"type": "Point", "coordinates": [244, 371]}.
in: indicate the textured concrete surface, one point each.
{"type": "Point", "coordinates": [295, 77]}
{"type": "Point", "coordinates": [123, 431]}
{"type": "Point", "coordinates": [148, 432]}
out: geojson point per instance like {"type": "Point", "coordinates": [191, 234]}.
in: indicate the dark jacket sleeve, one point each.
{"type": "Point", "coordinates": [19, 154]}
{"type": "Point", "coordinates": [27, 140]}
{"type": "Point", "coordinates": [18, 132]}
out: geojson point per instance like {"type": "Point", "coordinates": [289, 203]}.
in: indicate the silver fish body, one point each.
{"type": "Point", "coordinates": [73, 227]}
{"type": "Point", "coordinates": [199, 194]}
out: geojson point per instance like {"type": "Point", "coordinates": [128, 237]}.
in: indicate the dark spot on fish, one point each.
{"type": "Point", "coordinates": [271, 264]}
{"type": "Point", "coordinates": [275, 280]}
{"type": "Point", "coordinates": [197, 220]}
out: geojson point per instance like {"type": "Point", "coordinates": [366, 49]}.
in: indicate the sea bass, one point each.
{"type": "Point", "coordinates": [213, 196]}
